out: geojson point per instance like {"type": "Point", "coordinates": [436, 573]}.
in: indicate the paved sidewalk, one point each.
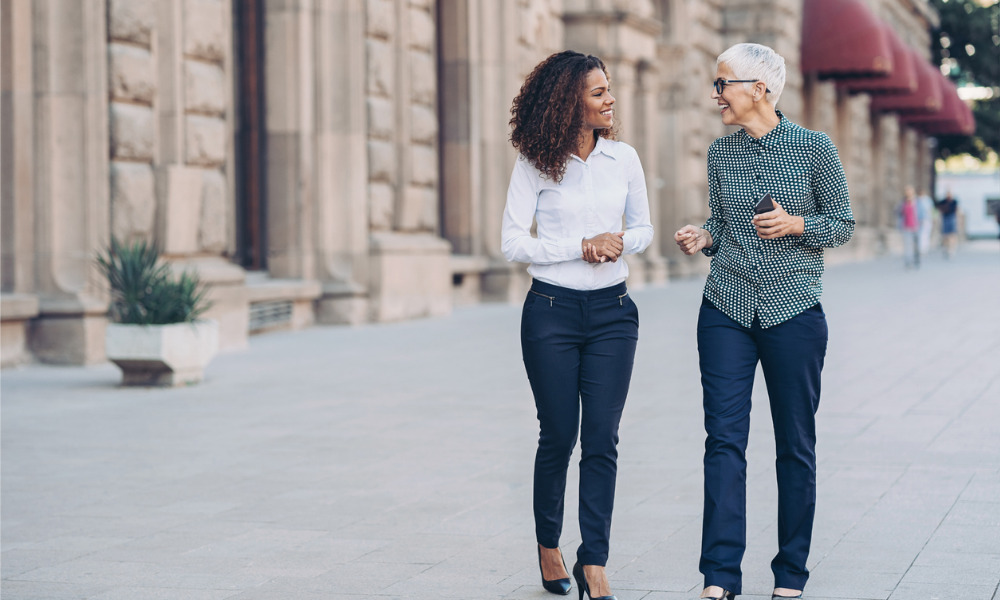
{"type": "Point", "coordinates": [394, 461]}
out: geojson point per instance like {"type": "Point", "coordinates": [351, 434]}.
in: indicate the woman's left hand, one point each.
{"type": "Point", "coordinates": [777, 224]}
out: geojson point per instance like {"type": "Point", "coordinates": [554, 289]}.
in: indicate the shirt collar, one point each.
{"type": "Point", "coordinates": [605, 147]}
{"type": "Point", "coordinates": [770, 136]}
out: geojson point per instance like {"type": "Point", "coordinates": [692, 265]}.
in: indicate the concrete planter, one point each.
{"type": "Point", "coordinates": [162, 355]}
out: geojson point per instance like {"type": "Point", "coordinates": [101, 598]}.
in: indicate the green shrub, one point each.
{"type": "Point", "coordinates": [142, 290]}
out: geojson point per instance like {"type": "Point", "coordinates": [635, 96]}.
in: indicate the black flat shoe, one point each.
{"type": "Point", "coordinates": [556, 586]}
{"type": "Point", "coordinates": [581, 583]}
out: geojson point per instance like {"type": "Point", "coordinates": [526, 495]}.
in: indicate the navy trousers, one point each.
{"type": "Point", "coordinates": [791, 356]}
{"type": "Point", "coordinates": [578, 348]}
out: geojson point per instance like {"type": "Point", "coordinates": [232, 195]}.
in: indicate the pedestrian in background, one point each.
{"type": "Point", "coordinates": [925, 213]}
{"type": "Point", "coordinates": [761, 304]}
{"type": "Point", "coordinates": [948, 207]}
{"type": "Point", "coordinates": [579, 326]}
{"type": "Point", "coordinates": [908, 220]}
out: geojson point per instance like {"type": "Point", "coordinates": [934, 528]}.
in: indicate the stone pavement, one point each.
{"type": "Point", "coordinates": [394, 461]}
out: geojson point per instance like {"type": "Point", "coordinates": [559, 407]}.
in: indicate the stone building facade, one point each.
{"type": "Point", "coordinates": [346, 161]}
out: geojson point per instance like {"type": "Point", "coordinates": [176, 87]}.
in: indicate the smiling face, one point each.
{"type": "Point", "coordinates": [597, 102]}
{"type": "Point", "coordinates": [736, 100]}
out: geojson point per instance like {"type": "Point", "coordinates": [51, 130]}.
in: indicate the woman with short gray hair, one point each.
{"type": "Point", "coordinates": [777, 197]}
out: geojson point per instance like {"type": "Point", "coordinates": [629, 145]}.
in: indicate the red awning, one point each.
{"type": "Point", "coordinates": [842, 38]}
{"type": "Point", "coordinates": [903, 77]}
{"type": "Point", "coordinates": [966, 126]}
{"type": "Point", "coordinates": [926, 98]}
{"type": "Point", "coordinates": [954, 118]}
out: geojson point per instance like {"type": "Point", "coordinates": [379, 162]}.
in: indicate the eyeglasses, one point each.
{"type": "Point", "coordinates": [720, 83]}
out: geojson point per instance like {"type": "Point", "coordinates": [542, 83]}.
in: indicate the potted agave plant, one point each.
{"type": "Point", "coordinates": [155, 336]}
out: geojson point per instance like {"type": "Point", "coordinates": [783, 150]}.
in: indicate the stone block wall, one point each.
{"type": "Point", "coordinates": [132, 89]}
{"type": "Point", "coordinates": [196, 85]}
{"type": "Point", "coordinates": [402, 117]}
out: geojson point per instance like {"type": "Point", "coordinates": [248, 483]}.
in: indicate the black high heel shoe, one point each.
{"type": "Point", "coordinates": [556, 586]}
{"type": "Point", "coordinates": [581, 582]}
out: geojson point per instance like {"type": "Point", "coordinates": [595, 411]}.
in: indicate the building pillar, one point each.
{"type": "Point", "coordinates": [341, 228]}
{"type": "Point", "coordinates": [647, 144]}
{"type": "Point", "coordinates": [17, 241]}
{"type": "Point", "coordinates": [410, 266]}
{"type": "Point", "coordinates": [70, 192]}
{"type": "Point", "coordinates": [689, 41]}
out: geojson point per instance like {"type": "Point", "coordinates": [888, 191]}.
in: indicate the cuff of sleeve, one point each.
{"type": "Point", "coordinates": [630, 243]}
{"type": "Point", "coordinates": [810, 228]}
{"type": "Point", "coordinates": [573, 249]}
{"type": "Point", "coordinates": [711, 250]}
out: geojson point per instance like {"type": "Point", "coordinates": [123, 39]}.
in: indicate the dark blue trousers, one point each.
{"type": "Point", "coordinates": [578, 348]}
{"type": "Point", "coordinates": [791, 356]}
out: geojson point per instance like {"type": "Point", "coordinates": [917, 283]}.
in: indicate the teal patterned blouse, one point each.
{"type": "Point", "coordinates": [773, 279]}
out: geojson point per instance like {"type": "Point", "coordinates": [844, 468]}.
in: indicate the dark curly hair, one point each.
{"type": "Point", "coordinates": [547, 115]}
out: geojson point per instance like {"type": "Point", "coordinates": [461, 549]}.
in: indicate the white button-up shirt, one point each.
{"type": "Point", "coordinates": [591, 199]}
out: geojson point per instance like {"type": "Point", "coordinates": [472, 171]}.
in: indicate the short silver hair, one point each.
{"type": "Point", "coordinates": [756, 61]}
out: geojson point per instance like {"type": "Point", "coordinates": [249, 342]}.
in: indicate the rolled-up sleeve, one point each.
{"type": "Point", "coordinates": [833, 225]}
{"type": "Point", "coordinates": [517, 244]}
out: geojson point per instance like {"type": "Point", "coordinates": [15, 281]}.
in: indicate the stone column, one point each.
{"type": "Point", "coordinates": [410, 265]}
{"type": "Point", "coordinates": [689, 42]}
{"type": "Point", "coordinates": [70, 193]}
{"type": "Point", "coordinates": [852, 134]}
{"type": "Point", "coordinates": [290, 77]}
{"type": "Point", "coordinates": [648, 144]}
{"type": "Point", "coordinates": [341, 226]}
{"type": "Point", "coordinates": [456, 107]}
{"type": "Point", "coordinates": [890, 184]}
{"type": "Point", "coordinates": [18, 302]}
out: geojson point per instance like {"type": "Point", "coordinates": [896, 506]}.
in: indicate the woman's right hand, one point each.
{"type": "Point", "coordinates": [692, 239]}
{"type": "Point", "coordinates": [603, 247]}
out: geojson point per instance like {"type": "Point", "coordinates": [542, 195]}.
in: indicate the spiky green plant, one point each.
{"type": "Point", "coordinates": [142, 290]}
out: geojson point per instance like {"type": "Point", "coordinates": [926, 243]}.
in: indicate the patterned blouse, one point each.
{"type": "Point", "coordinates": [773, 279]}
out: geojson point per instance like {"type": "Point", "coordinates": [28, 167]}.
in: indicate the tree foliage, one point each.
{"type": "Point", "coordinates": [967, 45]}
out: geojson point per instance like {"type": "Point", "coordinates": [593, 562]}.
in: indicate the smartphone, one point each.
{"type": "Point", "coordinates": [764, 205]}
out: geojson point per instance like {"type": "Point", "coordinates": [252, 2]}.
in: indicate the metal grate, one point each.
{"type": "Point", "coordinates": [266, 315]}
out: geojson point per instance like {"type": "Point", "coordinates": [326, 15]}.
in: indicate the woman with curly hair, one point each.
{"type": "Point", "coordinates": [579, 326]}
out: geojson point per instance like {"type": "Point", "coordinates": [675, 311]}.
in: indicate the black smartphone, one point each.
{"type": "Point", "coordinates": [764, 205]}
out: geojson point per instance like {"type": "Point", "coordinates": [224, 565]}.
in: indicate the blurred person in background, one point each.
{"type": "Point", "coordinates": [908, 219]}
{"type": "Point", "coordinates": [925, 212]}
{"type": "Point", "coordinates": [948, 207]}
